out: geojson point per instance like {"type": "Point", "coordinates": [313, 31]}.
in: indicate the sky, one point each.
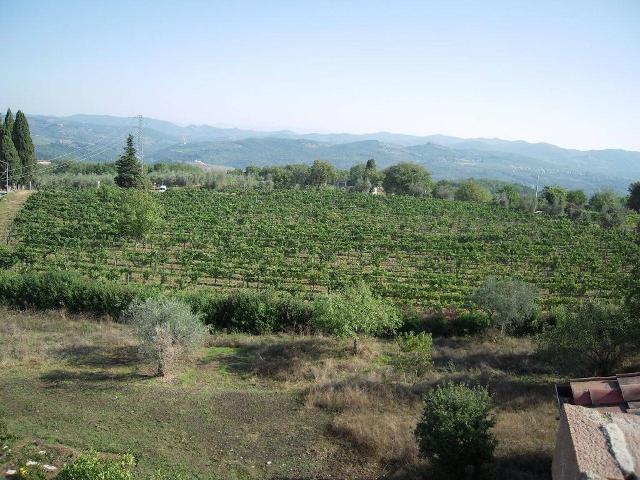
{"type": "Point", "coordinates": [564, 72]}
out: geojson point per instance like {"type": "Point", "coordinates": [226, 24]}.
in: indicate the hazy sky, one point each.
{"type": "Point", "coordinates": [565, 72]}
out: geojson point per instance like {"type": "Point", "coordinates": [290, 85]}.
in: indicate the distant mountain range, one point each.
{"type": "Point", "coordinates": [100, 138]}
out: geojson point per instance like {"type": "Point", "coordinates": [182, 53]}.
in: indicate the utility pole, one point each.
{"type": "Point", "coordinates": [535, 205]}
{"type": "Point", "coordinates": [140, 144]}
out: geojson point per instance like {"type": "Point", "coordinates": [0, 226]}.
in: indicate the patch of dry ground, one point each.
{"type": "Point", "coordinates": [286, 407]}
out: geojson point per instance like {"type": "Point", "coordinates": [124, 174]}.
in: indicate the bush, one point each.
{"type": "Point", "coordinates": [165, 327]}
{"type": "Point", "coordinates": [90, 466]}
{"type": "Point", "coordinates": [52, 290]}
{"type": "Point", "coordinates": [439, 324]}
{"type": "Point", "coordinates": [29, 472]}
{"type": "Point", "coordinates": [249, 311]}
{"type": "Point", "coordinates": [355, 311]}
{"type": "Point", "coordinates": [414, 352]}
{"type": "Point", "coordinates": [470, 323]}
{"type": "Point", "coordinates": [593, 339]}
{"type": "Point", "coordinates": [455, 429]}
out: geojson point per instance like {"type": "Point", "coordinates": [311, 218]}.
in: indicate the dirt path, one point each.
{"type": "Point", "coordinates": [10, 205]}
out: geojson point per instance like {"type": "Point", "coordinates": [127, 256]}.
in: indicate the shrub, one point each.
{"type": "Point", "coordinates": [511, 303]}
{"type": "Point", "coordinates": [29, 472]}
{"type": "Point", "coordinates": [594, 339]}
{"type": "Point", "coordinates": [355, 311]}
{"type": "Point", "coordinates": [414, 352]}
{"type": "Point", "coordinates": [68, 290]}
{"type": "Point", "coordinates": [454, 432]}
{"type": "Point", "coordinates": [250, 311]}
{"type": "Point", "coordinates": [259, 312]}
{"type": "Point", "coordinates": [470, 323]}
{"type": "Point", "coordinates": [90, 466]}
{"type": "Point", "coordinates": [165, 327]}
{"type": "Point", "coordinates": [440, 324]}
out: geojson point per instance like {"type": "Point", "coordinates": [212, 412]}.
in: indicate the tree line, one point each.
{"type": "Point", "coordinates": [605, 207]}
{"type": "Point", "coordinates": [17, 153]}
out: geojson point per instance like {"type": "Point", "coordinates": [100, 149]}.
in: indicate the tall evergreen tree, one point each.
{"type": "Point", "coordinates": [24, 145]}
{"type": "Point", "coordinates": [9, 159]}
{"type": "Point", "coordinates": [8, 120]}
{"type": "Point", "coordinates": [129, 168]}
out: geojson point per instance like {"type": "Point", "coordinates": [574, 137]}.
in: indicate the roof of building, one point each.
{"type": "Point", "coordinates": [619, 393]}
{"type": "Point", "coordinates": [605, 443]}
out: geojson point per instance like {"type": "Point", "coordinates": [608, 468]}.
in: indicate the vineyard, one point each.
{"type": "Point", "coordinates": [424, 251]}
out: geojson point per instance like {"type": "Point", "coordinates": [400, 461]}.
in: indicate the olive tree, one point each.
{"type": "Point", "coordinates": [353, 312]}
{"type": "Point", "coordinates": [454, 432]}
{"type": "Point", "coordinates": [511, 303]}
{"type": "Point", "coordinates": [165, 328]}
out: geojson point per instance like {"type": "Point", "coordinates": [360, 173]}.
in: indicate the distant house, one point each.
{"type": "Point", "coordinates": [599, 432]}
{"type": "Point", "coordinates": [377, 191]}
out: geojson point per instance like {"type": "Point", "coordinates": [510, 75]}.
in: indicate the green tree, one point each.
{"type": "Point", "coordinates": [612, 216]}
{"type": "Point", "coordinates": [454, 432]}
{"type": "Point", "coordinates": [321, 174]}
{"type": "Point", "coordinates": [354, 311]}
{"type": "Point", "coordinates": [593, 339]}
{"type": "Point", "coordinates": [9, 159]}
{"type": "Point", "coordinates": [511, 303]}
{"type": "Point", "coordinates": [8, 120]}
{"type": "Point", "coordinates": [444, 190]}
{"type": "Point", "coordinates": [576, 198]}
{"type": "Point", "coordinates": [407, 179]}
{"type": "Point", "coordinates": [555, 198]}
{"type": "Point", "coordinates": [129, 168]}
{"type": "Point", "coordinates": [139, 214]}
{"type": "Point", "coordinates": [470, 191]}
{"type": "Point", "coordinates": [633, 202]}
{"type": "Point", "coordinates": [363, 176]}
{"type": "Point", "coordinates": [508, 196]}
{"type": "Point", "coordinates": [24, 146]}
{"type": "Point", "coordinates": [602, 199]}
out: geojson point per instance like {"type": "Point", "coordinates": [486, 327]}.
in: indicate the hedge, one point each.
{"type": "Point", "coordinates": [256, 312]}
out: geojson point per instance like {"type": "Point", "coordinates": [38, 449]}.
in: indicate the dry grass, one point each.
{"type": "Point", "coordinates": [35, 338]}
{"type": "Point", "coordinates": [369, 410]}
{"type": "Point", "coordinates": [373, 414]}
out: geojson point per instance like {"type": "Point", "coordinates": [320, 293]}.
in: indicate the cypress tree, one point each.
{"type": "Point", "coordinates": [8, 120]}
{"type": "Point", "coordinates": [128, 168]}
{"type": "Point", "coordinates": [8, 153]}
{"type": "Point", "coordinates": [24, 145]}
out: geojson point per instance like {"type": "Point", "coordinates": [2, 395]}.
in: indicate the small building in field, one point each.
{"type": "Point", "coordinates": [599, 433]}
{"type": "Point", "coordinates": [377, 191]}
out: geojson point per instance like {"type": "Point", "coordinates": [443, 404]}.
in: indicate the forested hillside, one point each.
{"type": "Point", "coordinates": [98, 138]}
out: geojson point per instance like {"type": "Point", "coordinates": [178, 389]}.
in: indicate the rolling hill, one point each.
{"type": "Point", "coordinates": [100, 138]}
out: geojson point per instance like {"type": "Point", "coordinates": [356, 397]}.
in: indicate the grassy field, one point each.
{"type": "Point", "coordinates": [286, 407]}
